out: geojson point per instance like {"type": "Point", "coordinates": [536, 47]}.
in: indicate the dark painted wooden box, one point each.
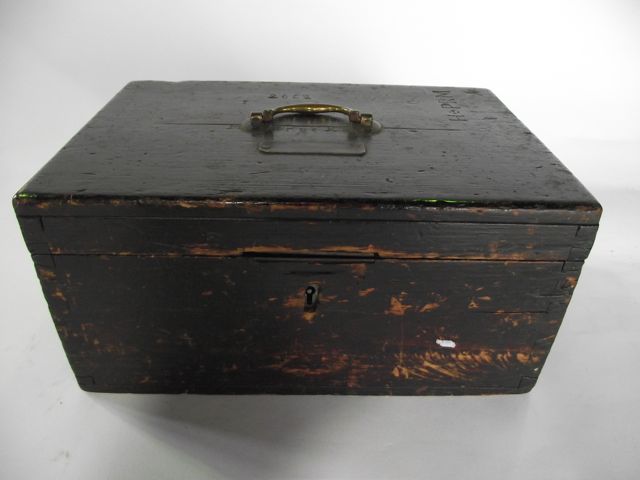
{"type": "Point", "coordinates": [182, 248]}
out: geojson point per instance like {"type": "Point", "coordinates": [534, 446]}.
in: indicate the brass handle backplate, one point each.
{"type": "Point", "coordinates": [265, 117]}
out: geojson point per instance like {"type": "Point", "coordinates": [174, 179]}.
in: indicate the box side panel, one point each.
{"type": "Point", "coordinates": [242, 325]}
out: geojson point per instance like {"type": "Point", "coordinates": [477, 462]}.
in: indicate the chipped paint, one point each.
{"type": "Point", "coordinates": [429, 307]}
{"type": "Point", "coordinates": [359, 269]}
{"type": "Point", "coordinates": [370, 250]}
{"type": "Point", "coordinates": [440, 200]}
{"type": "Point", "coordinates": [295, 301]}
{"type": "Point", "coordinates": [396, 307]}
{"type": "Point", "coordinates": [301, 365]}
{"type": "Point", "coordinates": [57, 293]}
{"type": "Point", "coordinates": [548, 338]}
{"type": "Point", "coordinates": [516, 319]}
{"type": "Point", "coordinates": [309, 317]}
{"type": "Point", "coordinates": [46, 274]}
{"type": "Point", "coordinates": [186, 204]}
{"type": "Point", "coordinates": [400, 371]}
{"type": "Point", "coordinates": [366, 292]}
{"type": "Point", "coordinates": [462, 366]}
{"type": "Point", "coordinates": [309, 207]}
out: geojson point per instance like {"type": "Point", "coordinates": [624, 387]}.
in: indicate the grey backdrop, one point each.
{"type": "Point", "coordinates": [570, 70]}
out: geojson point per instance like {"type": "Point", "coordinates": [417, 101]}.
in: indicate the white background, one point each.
{"type": "Point", "coordinates": [569, 69]}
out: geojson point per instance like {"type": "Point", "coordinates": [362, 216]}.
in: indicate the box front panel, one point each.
{"type": "Point", "coordinates": [248, 324]}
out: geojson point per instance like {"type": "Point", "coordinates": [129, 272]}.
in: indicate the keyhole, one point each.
{"type": "Point", "coordinates": [310, 292]}
{"type": "Point", "coordinates": [311, 296]}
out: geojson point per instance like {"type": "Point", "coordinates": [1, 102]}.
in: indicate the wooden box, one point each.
{"type": "Point", "coordinates": [427, 243]}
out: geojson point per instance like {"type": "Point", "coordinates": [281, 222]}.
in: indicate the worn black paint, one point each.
{"type": "Point", "coordinates": [175, 256]}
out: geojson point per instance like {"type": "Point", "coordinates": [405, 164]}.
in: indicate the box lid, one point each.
{"type": "Point", "coordinates": [187, 148]}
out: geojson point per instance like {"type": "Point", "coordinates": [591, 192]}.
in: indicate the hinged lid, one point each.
{"type": "Point", "coordinates": [185, 149]}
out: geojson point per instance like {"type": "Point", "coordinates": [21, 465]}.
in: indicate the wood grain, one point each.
{"type": "Point", "coordinates": [139, 324]}
{"type": "Point", "coordinates": [183, 140]}
{"type": "Point", "coordinates": [174, 255]}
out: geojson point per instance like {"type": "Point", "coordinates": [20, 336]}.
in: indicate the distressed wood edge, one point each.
{"type": "Point", "coordinates": [426, 209]}
{"type": "Point", "coordinates": [577, 247]}
{"type": "Point", "coordinates": [540, 346]}
{"type": "Point", "coordinates": [87, 384]}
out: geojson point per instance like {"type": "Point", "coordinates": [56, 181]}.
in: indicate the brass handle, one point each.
{"type": "Point", "coordinates": [261, 118]}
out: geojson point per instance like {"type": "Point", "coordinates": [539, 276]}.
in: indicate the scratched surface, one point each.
{"type": "Point", "coordinates": [183, 140]}
{"type": "Point", "coordinates": [209, 237]}
{"type": "Point", "coordinates": [175, 256]}
{"type": "Point", "coordinates": [220, 325]}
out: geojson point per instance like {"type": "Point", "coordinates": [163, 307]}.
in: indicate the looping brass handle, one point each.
{"type": "Point", "coordinates": [261, 118]}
